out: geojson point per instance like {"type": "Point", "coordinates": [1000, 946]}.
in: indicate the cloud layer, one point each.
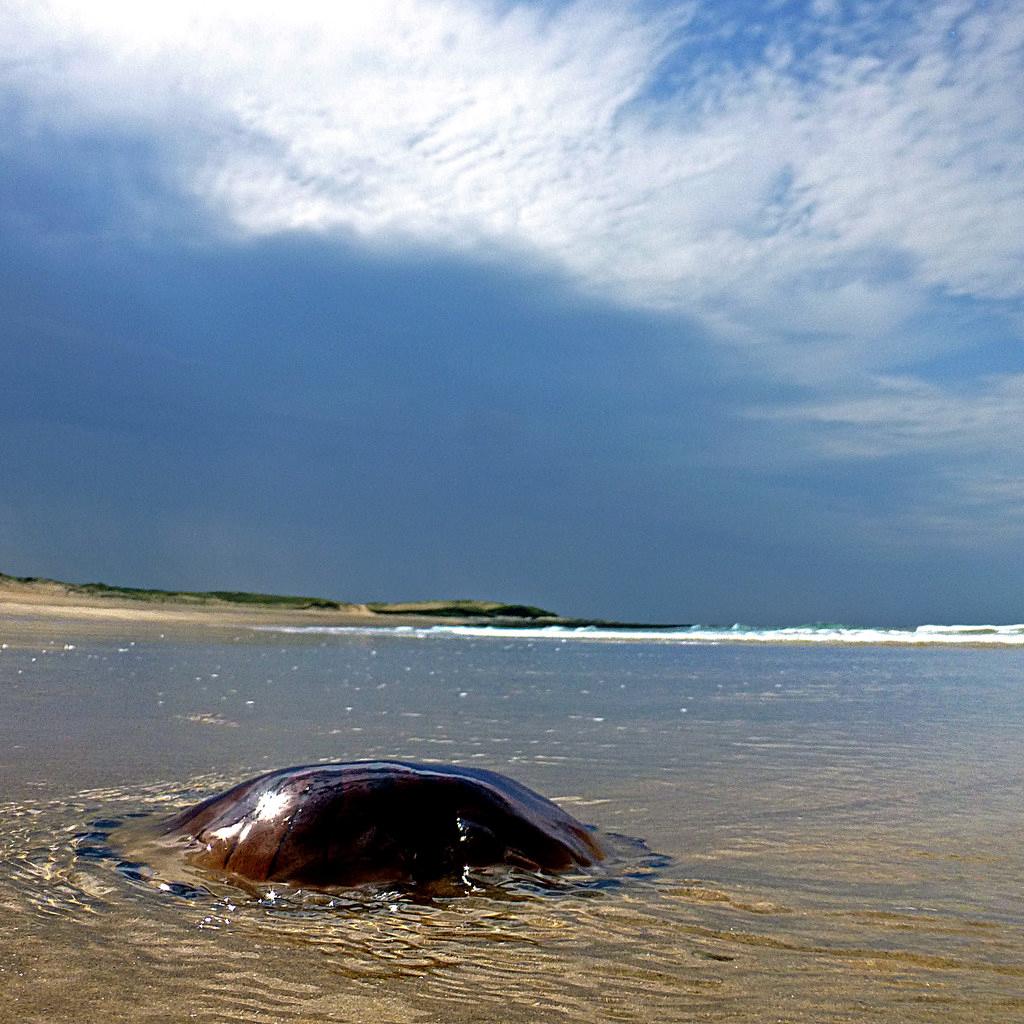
{"type": "Point", "coordinates": [808, 186]}
{"type": "Point", "coordinates": [834, 192]}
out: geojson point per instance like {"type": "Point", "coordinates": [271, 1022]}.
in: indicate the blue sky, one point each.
{"type": "Point", "coordinates": [687, 312]}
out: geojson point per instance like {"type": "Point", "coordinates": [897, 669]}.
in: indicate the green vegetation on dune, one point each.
{"type": "Point", "coordinates": [204, 596]}
{"type": "Point", "coordinates": [437, 609]}
{"type": "Point", "coordinates": [105, 590]}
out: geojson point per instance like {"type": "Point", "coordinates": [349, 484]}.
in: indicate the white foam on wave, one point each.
{"type": "Point", "coordinates": [935, 635]}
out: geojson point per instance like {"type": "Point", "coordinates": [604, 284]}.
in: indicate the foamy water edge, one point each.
{"type": "Point", "coordinates": [926, 635]}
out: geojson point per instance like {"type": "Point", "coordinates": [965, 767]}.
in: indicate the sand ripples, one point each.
{"type": "Point", "coordinates": [307, 956]}
{"type": "Point", "coordinates": [649, 945]}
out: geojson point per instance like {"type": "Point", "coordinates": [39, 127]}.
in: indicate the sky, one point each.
{"type": "Point", "coordinates": [679, 312]}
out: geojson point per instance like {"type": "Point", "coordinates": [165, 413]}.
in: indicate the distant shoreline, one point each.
{"type": "Point", "coordinates": [39, 597]}
{"type": "Point", "coordinates": [42, 608]}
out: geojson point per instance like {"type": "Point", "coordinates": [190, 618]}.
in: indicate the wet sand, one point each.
{"type": "Point", "coordinates": [840, 827]}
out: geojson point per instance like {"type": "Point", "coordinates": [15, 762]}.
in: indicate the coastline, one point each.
{"type": "Point", "coordinates": [23, 603]}
{"type": "Point", "coordinates": [32, 607]}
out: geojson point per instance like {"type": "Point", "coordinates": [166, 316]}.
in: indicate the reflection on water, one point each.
{"type": "Point", "coordinates": [841, 831]}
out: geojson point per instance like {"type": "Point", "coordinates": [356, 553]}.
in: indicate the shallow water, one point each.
{"type": "Point", "coordinates": [840, 826]}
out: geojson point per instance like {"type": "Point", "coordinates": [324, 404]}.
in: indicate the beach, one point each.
{"type": "Point", "coordinates": [46, 601]}
{"type": "Point", "coordinates": [831, 832]}
{"type": "Point", "coordinates": [702, 325]}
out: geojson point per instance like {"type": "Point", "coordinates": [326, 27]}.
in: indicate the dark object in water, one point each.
{"type": "Point", "coordinates": [325, 826]}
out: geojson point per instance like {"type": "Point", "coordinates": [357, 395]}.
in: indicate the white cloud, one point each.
{"type": "Point", "coordinates": [809, 202]}
{"type": "Point", "coordinates": [968, 438]}
{"type": "Point", "coordinates": [909, 416]}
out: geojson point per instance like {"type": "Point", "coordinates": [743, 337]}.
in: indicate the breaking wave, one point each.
{"type": "Point", "coordinates": [829, 633]}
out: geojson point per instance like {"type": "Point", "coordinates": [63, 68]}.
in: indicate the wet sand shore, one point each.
{"type": "Point", "coordinates": [837, 826]}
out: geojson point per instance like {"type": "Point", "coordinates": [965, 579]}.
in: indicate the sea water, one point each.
{"type": "Point", "coordinates": [833, 827]}
{"type": "Point", "coordinates": [817, 633]}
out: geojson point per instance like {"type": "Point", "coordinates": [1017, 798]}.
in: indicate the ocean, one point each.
{"type": "Point", "coordinates": [818, 633]}
{"type": "Point", "coordinates": [815, 824]}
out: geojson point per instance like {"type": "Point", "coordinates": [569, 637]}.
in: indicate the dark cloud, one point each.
{"type": "Point", "coordinates": [293, 414]}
